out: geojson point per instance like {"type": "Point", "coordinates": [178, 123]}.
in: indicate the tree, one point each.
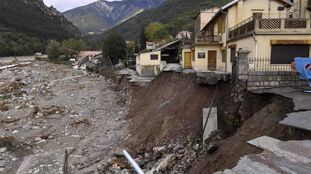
{"type": "Point", "coordinates": [72, 47]}
{"type": "Point", "coordinates": [151, 29]}
{"type": "Point", "coordinates": [53, 49]}
{"type": "Point", "coordinates": [115, 47]}
{"type": "Point", "coordinates": [156, 32]}
{"type": "Point", "coordinates": [142, 39]}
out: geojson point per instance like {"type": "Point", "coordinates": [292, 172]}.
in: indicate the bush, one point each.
{"type": "Point", "coordinates": [53, 49]}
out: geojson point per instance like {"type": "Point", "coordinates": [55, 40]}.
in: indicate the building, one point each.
{"type": "Point", "coordinates": [150, 64]}
{"type": "Point", "coordinates": [274, 31]}
{"type": "Point", "coordinates": [184, 35]}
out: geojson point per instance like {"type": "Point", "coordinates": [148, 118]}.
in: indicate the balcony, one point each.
{"type": "Point", "coordinates": [270, 26]}
{"type": "Point", "coordinates": [209, 39]}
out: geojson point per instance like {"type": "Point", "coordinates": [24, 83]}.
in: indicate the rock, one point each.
{"type": "Point", "coordinates": [15, 132]}
{"type": "Point", "coordinates": [159, 149]}
{"type": "Point", "coordinates": [38, 139]}
{"type": "Point", "coordinates": [39, 115]}
{"type": "Point", "coordinates": [2, 163]}
{"type": "Point", "coordinates": [48, 162]}
{"type": "Point", "coordinates": [196, 147]}
{"type": "Point", "coordinates": [27, 127]}
{"type": "Point", "coordinates": [2, 150]}
{"type": "Point", "coordinates": [35, 127]}
{"type": "Point", "coordinates": [165, 163]}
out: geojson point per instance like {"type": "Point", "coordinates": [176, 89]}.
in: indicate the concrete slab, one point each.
{"type": "Point", "coordinates": [45, 163]}
{"type": "Point", "coordinates": [301, 120]}
{"type": "Point", "coordinates": [301, 99]}
{"type": "Point", "coordinates": [173, 67]}
{"type": "Point", "coordinates": [278, 158]}
{"type": "Point", "coordinates": [212, 123]}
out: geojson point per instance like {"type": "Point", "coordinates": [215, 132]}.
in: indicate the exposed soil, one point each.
{"type": "Point", "coordinates": [169, 108]}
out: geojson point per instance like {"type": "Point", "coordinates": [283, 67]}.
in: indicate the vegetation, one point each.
{"type": "Point", "coordinates": [174, 14]}
{"type": "Point", "coordinates": [72, 47]}
{"type": "Point", "coordinates": [33, 18]}
{"type": "Point", "coordinates": [114, 47]}
{"type": "Point", "coordinates": [17, 44]}
{"type": "Point", "coordinates": [156, 32]}
{"type": "Point", "coordinates": [25, 27]}
{"type": "Point", "coordinates": [53, 50]}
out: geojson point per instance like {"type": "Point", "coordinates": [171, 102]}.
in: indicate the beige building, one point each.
{"type": "Point", "coordinates": [149, 64]}
{"type": "Point", "coordinates": [275, 31]}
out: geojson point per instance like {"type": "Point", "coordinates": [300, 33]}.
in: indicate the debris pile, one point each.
{"type": "Point", "coordinates": [47, 108]}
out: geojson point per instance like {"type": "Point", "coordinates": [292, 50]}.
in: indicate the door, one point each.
{"type": "Point", "coordinates": [187, 59]}
{"type": "Point", "coordinates": [212, 56]}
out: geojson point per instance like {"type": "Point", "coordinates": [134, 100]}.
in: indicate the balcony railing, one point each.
{"type": "Point", "coordinates": [264, 64]}
{"type": "Point", "coordinates": [270, 26]}
{"type": "Point", "coordinates": [209, 39]}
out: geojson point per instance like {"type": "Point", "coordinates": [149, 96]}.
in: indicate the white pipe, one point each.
{"type": "Point", "coordinates": [133, 163]}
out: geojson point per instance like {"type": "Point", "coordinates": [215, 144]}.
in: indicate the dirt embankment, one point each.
{"type": "Point", "coordinates": [167, 115]}
{"type": "Point", "coordinates": [169, 108]}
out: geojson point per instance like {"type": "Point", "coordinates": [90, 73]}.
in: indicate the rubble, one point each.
{"type": "Point", "coordinates": [45, 107]}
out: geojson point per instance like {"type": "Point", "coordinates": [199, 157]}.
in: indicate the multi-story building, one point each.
{"type": "Point", "coordinates": [274, 31]}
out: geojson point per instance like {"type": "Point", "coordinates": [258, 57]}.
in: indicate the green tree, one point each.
{"type": "Point", "coordinates": [156, 32]}
{"type": "Point", "coordinates": [142, 38]}
{"type": "Point", "coordinates": [115, 47]}
{"type": "Point", "coordinates": [72, 47]}
{"type": "Point", "coordinates": [53, 49]}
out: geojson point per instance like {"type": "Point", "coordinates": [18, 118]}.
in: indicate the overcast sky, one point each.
{"type": "Point", "coordinates": [64, 5]}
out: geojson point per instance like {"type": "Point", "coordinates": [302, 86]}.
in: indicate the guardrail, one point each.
{"type": "Point", "coordinates": [208, 39]}
{"type": "Point", "coordinates": [270, 26]}
{"type": "Point", "coordinates": [264, 64]}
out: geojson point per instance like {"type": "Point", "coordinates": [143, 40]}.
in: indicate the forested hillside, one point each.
{"type": "Point", "coordinates": [176, 14]}
{"type": "Point", "coordinates": [25, 24]}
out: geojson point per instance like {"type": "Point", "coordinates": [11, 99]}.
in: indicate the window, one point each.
{"type": "Point", "coordinates": [285, 54]}
{"type": "Point", "coordinates": [257, 15]}
{"type": "Point", "coordinates": [154, 57]}
{"type": "Point", "coordinates": [201, 55]}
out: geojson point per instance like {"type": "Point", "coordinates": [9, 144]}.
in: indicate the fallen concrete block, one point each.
{"type": "Point", "coordinates": [300, 120]}
{"type": "Point", "coordinates": [53, 162]}
{"type": "Point", "coordinates": [278, 157]}
{"type": "Point", "coordinates": [212, 123]}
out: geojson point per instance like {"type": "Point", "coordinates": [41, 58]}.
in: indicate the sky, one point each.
{"type": "Point", "coordinates": [64, 5]}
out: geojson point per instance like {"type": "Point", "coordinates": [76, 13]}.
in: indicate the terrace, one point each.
{"type": "Point", "coordinates": [208, 39]}
{"type": "Point", "coordinates": [270, 24]}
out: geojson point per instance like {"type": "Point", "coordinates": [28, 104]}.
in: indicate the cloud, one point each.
{"type": "Point", "coordinates": [64, 5]}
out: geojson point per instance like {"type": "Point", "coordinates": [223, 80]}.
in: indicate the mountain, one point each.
{"type": "Point", "coordinates": [26, 25]}
{"type": "Point", "coordinates": [33, 18]}
{"type": "Point", "coordinates": [176, 14]}
{"type": "Point", "coordinates": [103, 14]}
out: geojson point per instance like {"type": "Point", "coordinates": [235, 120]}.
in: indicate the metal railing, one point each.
{"type": "Point", "coordinates": [264, 64]}
{"type": "Point", "coordinates": [208, 39]}
{"type": "Point", "coordinates": [266, 25]}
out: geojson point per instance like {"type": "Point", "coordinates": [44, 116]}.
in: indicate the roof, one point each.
{"type": "Point", "coordinates": [233, 2]}
{"type": "Point", "coordinates": [84, 54]}
{"type": "Point", "coordinates": [168, 44]}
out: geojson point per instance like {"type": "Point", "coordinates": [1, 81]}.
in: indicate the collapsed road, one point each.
{"type": "Point", "coordinates": [71, 119]}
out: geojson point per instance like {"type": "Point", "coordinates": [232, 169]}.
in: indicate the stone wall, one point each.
{"type": "Point", "coordinates": [272, 79]}
{"type": "Point", "coordinates": [264, 79]}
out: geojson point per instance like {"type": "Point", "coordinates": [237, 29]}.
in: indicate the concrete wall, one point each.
{"type": "Point", "coordinates": [245, 9]}
{"type": "Point", "coordinates": [202, 64]}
